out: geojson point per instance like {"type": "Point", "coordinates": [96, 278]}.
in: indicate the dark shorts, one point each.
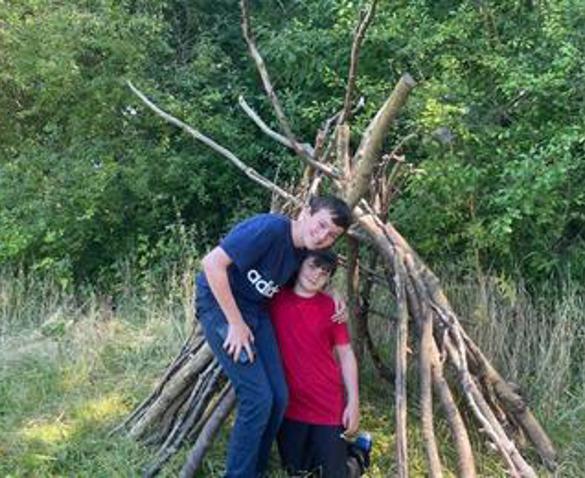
{"type": "Point", "coordinates": [314, 450]}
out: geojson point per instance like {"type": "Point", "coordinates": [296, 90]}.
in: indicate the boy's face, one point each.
{"type": "Point", "coordinates": [319, 230]}
{"type": "Point", "coordinates": [312, 278]}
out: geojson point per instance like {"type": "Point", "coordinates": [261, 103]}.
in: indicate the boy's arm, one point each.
{"type": "Point", "coordinates": [239, 336]}
{"type": "Point", "coordinates": [340, 315]}
{"type": "Point", "coordinates": [349, 372]}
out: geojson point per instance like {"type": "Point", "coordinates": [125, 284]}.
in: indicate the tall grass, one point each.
{"type": "Point", "coordinates": [72, 365]}
{"type": "Point", "coordinates": [536, 341]}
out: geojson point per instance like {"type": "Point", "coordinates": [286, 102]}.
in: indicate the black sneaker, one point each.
{"type": "Point", "coordinates": [360, 448]}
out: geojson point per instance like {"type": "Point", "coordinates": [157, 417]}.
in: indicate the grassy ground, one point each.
{"type": "Point", "coordinates": [70, 369]}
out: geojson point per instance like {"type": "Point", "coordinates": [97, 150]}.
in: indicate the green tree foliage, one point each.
{"type": "Point", "coordinates": [506, 81]}
{"type": "Point", "coordinates": [88, 175]}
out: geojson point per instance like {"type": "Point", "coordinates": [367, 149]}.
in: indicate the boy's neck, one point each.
{"type": "Point", "coordinates": [301, 292]}
{"type": "Point", "coordinates": [296, 233]}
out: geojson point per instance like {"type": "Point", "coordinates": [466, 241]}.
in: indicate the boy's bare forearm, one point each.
{"type": "Point", "coordinates": [215, 266]}
{"type": "Point", "coordinates": [349, 372]}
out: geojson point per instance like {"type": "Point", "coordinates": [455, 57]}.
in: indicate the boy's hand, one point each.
{"type": "Point", "coordinates": [351, 418]}
{"type": "Point", "coordinates": [239, 337]}
{"type": "Point", "coordinates": [340, 315]}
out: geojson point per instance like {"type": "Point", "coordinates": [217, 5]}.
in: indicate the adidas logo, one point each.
{"type": "Point", "coordinates": [267, 289]}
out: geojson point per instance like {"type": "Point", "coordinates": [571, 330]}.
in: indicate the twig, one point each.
{"type": "Point", "coordinates": [343, 155]}
{"type": "Point", "coordinates": [354, 60]}
{"type": "Point", "coordinates": [324, 153]}
{"type": "Point", "coordinates": [247, 170]}
{"type": "Point", "coordinates": [270, 132]}
{"type": "Point", "coordinates": [466, 461]}
{"type": "Point", "coordinates": [261, 67]}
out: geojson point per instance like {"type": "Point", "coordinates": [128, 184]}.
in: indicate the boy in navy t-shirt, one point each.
{"type": "Point", "coordinates": [239, 276]}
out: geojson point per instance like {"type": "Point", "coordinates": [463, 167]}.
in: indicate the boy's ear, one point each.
{"type": "Point", "coordinates": [305, 213]}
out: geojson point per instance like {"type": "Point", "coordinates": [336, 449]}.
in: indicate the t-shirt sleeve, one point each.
{"type": "Point", "coordinates": [251, 239]}
{"type": "Point", "coordinates": [340, 334]}
{"type": "Point", "coordinates": [273, 306]}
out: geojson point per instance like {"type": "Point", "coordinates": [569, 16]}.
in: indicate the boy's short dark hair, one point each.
{"type": "Point", "coordinates": [325, 259]}
{"type": "Point", "coordinates": [340, 212]}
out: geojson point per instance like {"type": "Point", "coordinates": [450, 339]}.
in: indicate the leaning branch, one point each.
{"type": "Point", "coordinates": [205, 437]}
{"type": "Point", "coordinates": [284, 123]}
{"type": "Point", "coordinates": [367, 154]}
{"type": "Point", "coordinates": [247, 170]}
{"type": "Point", "coordinates": [354, 60]}
{"type": "Point", "coordinates": [270, 132]}
{"type": "Point", "coordinates": [401, 366]}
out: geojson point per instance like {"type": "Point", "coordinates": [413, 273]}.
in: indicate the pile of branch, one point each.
{"type": "Point", "coordinates": [193, 398]}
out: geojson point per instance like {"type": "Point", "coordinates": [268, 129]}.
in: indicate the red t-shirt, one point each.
{"type": "Point", "coordinates": [306, 336]}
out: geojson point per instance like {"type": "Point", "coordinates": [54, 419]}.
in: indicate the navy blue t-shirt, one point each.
{"type": "Point", "coordinates": [264, 258]}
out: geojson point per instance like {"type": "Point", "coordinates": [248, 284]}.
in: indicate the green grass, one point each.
{"type": "Point", "coordinates": [70, 370]}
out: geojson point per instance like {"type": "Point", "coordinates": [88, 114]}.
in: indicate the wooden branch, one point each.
{"type": "Point", "coordinates": [456, 347]}
{"type": "Point", "coordinates": [515, 405]}
{"type": "Point", "coordinates": [426, 395]}
{"type": "Point", "coordinates": [394, 246]}
{"type": "Point", "coordinates": [343, 155]}
{"type": "Point", "coordinates": [367, 154]}
{"type": "Point", "coordinates": [400, 381]}
{"type": "Point", "coordinates": [353, 300]}
{"type": "Point", "coordinates": [315, 185]}
{"type": "Point", "coordinates": [387, 184]}
{"type": "Point", "coordinates": [261, 67]}
{"type": "Point", "coordinates": [419, 313]}
{"type": "Point", "coordinates": [466, 462]}
{"type": "Point", "coordinates": [199, 397]}
{"type": "Point", "coordinates": [176, 365]}
{"type": "Point", "coordinates": [166, 423]}
{"type": "Point", "coordinates": [247, 170]}
{"type": "Point", "coordinates": [454, 344]}
{"type": "Point", "coordinates": [354, 60]}
{"type": "Point", "coordinates": [180, 380]}
{"type": "Point", "coordinates": [517, 466]}
{"type": "Point", "coordinates": [417, 297]}
{"type": "Point", "coordinates": [270, 132]}
{"type": "Point", "coordinates": [325, 152]}
{"type": "Point", "coordinates": [212, 425]}
{"type": "Point", "coordinates": [269, 89]}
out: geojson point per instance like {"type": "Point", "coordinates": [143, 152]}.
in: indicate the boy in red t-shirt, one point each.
{"type": "Point", "coordinates": [321, 374]}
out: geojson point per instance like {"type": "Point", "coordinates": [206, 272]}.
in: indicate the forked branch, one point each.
{"type": "Point", "coordinates": [271, 93]}
{"type": "Point", "coordinates": [270, 132]}
{"type": "Point", "coordinates": [358, 39]}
